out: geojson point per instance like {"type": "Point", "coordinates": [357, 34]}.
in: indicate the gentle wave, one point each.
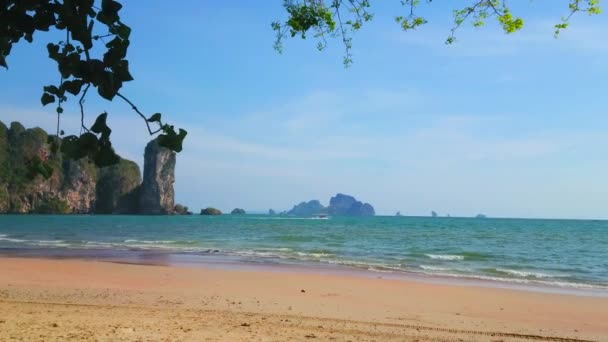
{"type": "Point", "coordinates": [433, 268]}
{"type": "Point", "coordinates": [450, 257]}
{"type": "Point", "coordinates": [6, 238]}
{"type": "Point", "coordinates": [326, 256]}
{"type": "Point", "coordinates": [562, 284]}
{"type": "Point", "coordinates": [528, 274]}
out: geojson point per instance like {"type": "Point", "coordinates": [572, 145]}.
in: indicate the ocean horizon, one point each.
{"type": "Point", "coordinates": [552, 253]}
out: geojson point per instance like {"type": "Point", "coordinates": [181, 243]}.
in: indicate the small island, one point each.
{"type": "Point", "coordinates": [211, 211]}
{"type": "Point", "coordinates": [238, 211]}
{"type": "Point", "coordinates": [339, 205]}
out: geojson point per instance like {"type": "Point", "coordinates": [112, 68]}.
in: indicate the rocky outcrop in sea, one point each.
{"type": "Point", "coordinates": [339, 205]}
{"type": "Point", "coordinates": [157, 194]}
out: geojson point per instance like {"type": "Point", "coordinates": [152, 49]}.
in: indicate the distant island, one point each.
{"type": "Point", "coordinates": [339, 205]}
{"type": "Point", "coordinates": [78, 186]}
{"type": "Point", "coordinates": [238, 211]}
{"type": "Point", "coordinates": [211, 211]}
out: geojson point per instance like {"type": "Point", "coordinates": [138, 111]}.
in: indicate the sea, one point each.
{"type": "Point", "coordinates": [557, 255]}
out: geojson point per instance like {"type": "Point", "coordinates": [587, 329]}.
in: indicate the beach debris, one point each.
{"type": "Point", "coordinates": [54, 325]}
{"type": "Point", "coordinates": [303, 291]}
{"type": "Point", "coordinates": [310, 336]}
{"type": "Point", "coordinates": [245, 324]}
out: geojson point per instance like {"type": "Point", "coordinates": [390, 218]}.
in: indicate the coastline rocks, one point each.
{"type": "Point", "coordinates": [181, 210]}
{"type": "Point", "coordinates": [271, 212]}
{"type": "Point", "coordinates": [238, 211]}
{"type": "Point", "coordinates": [157, 194]}
{"type": "Point", "coordinates": [211, 211]}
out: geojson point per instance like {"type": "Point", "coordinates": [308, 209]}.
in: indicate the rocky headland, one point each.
{"type": "Point", "coordinates": [78, 186]}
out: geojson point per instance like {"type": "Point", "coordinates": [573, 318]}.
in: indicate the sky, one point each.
{"type": "Point", "coordinates": [505, 125]}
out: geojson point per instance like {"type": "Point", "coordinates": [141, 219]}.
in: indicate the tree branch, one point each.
{"type": "Point", "coordinates": [81, 103]}
{"type": "Point", "coordinates": [140, 114]}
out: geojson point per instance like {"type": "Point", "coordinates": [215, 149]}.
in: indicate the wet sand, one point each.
{"type": "Point", "coordinates": [57, 300]}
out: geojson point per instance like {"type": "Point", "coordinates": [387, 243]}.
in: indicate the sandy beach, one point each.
{"type": "Point", "coordinates": [56, 300]}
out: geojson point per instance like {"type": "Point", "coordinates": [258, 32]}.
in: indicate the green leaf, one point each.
{"type": "Point", "coordinates": [70, 147]}
{"type": "Point", "coordinates": [172, 140]}
{"type": "Point", "coordinates": [52, 89]}
{"type": "Point", "coordinates": [123, 31]}
{"type": "Point", "coordinates": [110, 6]}
{"type": "Point", "coordinates": [47, 98]}
{"type": "Point", "coordinates": [105, 156]}
{"type": "Point", "coordinates": [73, 87]}
{"type": "Point", "coordinates": [88, 143]}
{"type": "Point", "coordinates": [154, 118]}
{"type": "Point", "coordinates": [122, 71]}
{"type": "Point", "coordinates": [101, 127]}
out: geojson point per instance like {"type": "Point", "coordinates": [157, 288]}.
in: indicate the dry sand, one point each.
{"type": "Point", "coordinates": [58, 300]}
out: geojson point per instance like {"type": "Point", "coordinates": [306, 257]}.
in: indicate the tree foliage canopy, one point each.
{"type": "Point", "coordinates": [92, 55]}
{"type": "Point", "coordinates": [340, 18]}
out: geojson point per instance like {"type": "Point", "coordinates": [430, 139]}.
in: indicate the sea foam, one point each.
{"type": "Point", "coordinates": [450, 257]}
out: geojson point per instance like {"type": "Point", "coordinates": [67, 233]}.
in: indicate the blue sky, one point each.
{"type": "Point", "coordinates": [507, 125]}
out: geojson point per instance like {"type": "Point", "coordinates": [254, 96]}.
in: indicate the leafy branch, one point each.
{"type": "Point", "coordinates": [87, 27]}
{"type": "Point", "coordinates": [340, 18]}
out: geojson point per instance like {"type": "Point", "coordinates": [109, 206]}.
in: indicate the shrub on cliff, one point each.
{"type": "Point", "coordinates": [52, 206]}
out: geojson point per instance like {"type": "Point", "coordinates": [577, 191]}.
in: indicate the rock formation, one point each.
{"type": "Point", "coordinates": [309, 208]}
{"type": "Point", "coordinates": [339, 205]}
{"type": "Point", "coordinates": [211, 211]}
{"type": "Point", "coordinates": [238, 211]}
{"type": "Point", "coordinates": [181, 210]}
{"type": "Point", "coordinates": [271, 212]}
{"type": "Point", "coordinates": [78, 186]}
{"type": "Point", "coordinates": [345, 205]}
{"type": "Point", "coordinates": [157, 195]}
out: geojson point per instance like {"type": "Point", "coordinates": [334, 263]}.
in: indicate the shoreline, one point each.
{"type": "Point", "coordinates": [128, 301]}
{"type": "Point", "coordinates": [231, 262]}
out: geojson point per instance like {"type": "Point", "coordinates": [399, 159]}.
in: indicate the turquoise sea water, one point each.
{"type": "Point", "coordinates": [560, 253]}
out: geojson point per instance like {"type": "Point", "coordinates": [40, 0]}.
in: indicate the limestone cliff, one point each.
{"type": "Point", "coordinates": [117, 189]}
{"type": "Point", "coordinates": [79, 186]}
{"type": "Point", "coordinates": [157, 194]}
{"type": "Point", "coordinates": [79, 183]}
